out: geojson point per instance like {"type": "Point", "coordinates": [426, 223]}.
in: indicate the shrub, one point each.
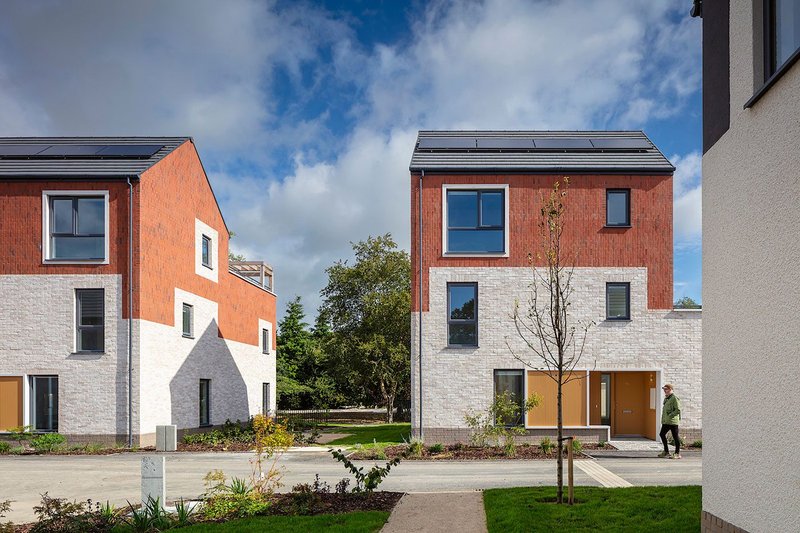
{"type": "Point", "coordinates": [500, 422]}
{"type": "Point", "coordinates": [4, 448]}
{"type": "Point", "coordinates": [416, 448]}
{"type": "Point", "coordinates": [183, 513]}
{"type": "Point", "coordinates": [698, 443]}
{"type": "Point", "coordinates": [271, 439]}
{"type": "Point", "coordinates": [235, 506]}
{"type": "Point", "coordinates": [602, 444]}
{"type": "Point", "coordinates": [577, 446]}
{"type": "Point", "coordinates": [365, 482]}
{"type": "Point", "coordinates": [57, 515]}
{"type": "Point", "coordinates": [21, 434]}
{"type": "Point", "coordinates": [546, 445]}
{"type": "Point", "coordinates": [47, 442]}
{"type": "Point", "coordinates": [436, 448]}
{"type": "Point", "coordinates": [5, 507]}
{"type": "Point", "coordinates": [305, 496]}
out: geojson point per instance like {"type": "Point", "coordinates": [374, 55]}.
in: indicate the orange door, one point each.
{"type": "Point", "coordinates": [630, 403]}
{"type": "Point", "coordinates": [10, 402]}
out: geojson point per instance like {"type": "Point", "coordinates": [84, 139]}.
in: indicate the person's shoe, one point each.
{"type": "Point", "coordinates": [676, 456]}
{"type": "Point", "coordinates": [663, 454]}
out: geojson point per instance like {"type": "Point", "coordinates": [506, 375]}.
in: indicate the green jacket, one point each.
{"type": "Point", "coordinates": [671, 412]}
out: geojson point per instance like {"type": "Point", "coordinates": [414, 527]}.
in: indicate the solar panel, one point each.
{"type": "Point", "coordinates": [446, 142]}
{"type": "Point", "coordinates": [129, 150]}
{"type": "Point", "coordinates": [505, 143]}
{"type": "Point", "coordinates": [21, 150]}
{"type": "Point", "coordinates": [72, 150]}
{"type": "Point", "coordinates": [562, 143]}
{"type": "Point", "coordinates": [621, 143]}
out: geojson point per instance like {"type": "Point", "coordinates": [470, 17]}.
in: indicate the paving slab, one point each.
{"type": "Point", "coordinates": [440, 512]}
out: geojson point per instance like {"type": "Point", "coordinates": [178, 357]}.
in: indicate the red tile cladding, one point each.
{"type": "Point", "coordinates": [648, 243]}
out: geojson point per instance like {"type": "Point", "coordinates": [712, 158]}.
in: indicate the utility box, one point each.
{"type": "Point", "coordinates": [154, 486]}
{"type": "Point", "coordinates": [166, 438]}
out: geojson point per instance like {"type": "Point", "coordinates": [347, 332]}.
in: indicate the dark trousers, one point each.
{"type": "Point", "coordinates": [666, 428]}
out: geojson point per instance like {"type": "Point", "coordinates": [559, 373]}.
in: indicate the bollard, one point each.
{"type": "Point", "coordinates": [166, 438]}
{"type": "Point", "coordinates": [154, 484]}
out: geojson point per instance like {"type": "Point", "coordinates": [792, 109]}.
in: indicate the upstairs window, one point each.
{"type": "Point", "coordinates": [188, 321]}
{"type": "Point", "coordinates": [618, 301]}
{"type": "Point", "coordinates": [206, 251]}
{"type": "Point", "coordinates": [76, 228]}
{"type": "Point", "coordinates": [476, 221]}
{"type": "Point", "coordinates": [266, 340]}
{"type": "Point", "coordinates": [618, 207]}
{"type": "Point", "coordinates": [90, 323]}
{"type": "Point", "coordinates": [462, 314]}
{"type": "Point", "coordinates": [783, 33]}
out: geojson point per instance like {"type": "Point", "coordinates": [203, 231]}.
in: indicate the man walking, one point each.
{"type": "Point", "coordinates": [670, 418]}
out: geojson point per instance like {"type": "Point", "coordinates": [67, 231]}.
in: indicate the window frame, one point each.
{"type": "Point", "coordinates": [206, 244]}
{"type": "Point", "coordinates": [53, 427]}
{"type": "Point", "coordinates": [627, 192]}
{"type": "Point", "coordinates": [523, 418]}
{"type": "Point", "coordinates": [80, 327]}
{"type": "Point", "coordinates": [47, 221]}
{"type": "Point", "coordinates": [265, 398]}
{"type": "Point", "coordinates": [190, 308]}
{"type": "Point", "coordinates": [499, 187]}
{"type": "Point", "coordinates": [207, 422]}
{"type": "Point", "coordinates": [627, 286]}
{"type": "Point", "coordinates": [266, 340]}
{"type": "Point", "coordinates": [459, 321]}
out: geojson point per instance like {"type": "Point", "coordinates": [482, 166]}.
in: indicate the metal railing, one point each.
{"type": "Point", "coordinates": [307, 416]}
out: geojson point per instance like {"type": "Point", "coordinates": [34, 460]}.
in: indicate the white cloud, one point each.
{"type": "Point", "coordinates": [687, 198]}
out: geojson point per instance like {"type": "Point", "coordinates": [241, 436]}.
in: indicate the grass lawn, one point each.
{"type": "Point", "coordinates": [381, 433]}
{"type": "Point", "coordinates": [633, 509]}
{"type": "Point", "coordinates": [366, 521]}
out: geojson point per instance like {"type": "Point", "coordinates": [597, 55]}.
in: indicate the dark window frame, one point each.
{"type": "Point", "coordinates": [207, 414]}
{"type": "Point", "coordinates": [51, 232]}
{"type": "Point", "coordinates": [53, 427]}
{"type": "Point", "coordinates": [94, 327]}
{"type": "Point", "coordinates": [206, 250]}
{"type": "Point", "coordinates": [460, 321]}
{"type": "Point", "coordinates": [521, 372]}
{"type": "Point", "coordinates": [190, 333]}
{"type": "Point", "coordinates": [627, 286]}
{"type": "Point", "coordinates": [266, 340]}
{"type": "Point", "coordinates": [265, 398]}
{"type": "Point", "coordinates": [627, 192]}
{"type": "Point", "coordinates": [480, 226]}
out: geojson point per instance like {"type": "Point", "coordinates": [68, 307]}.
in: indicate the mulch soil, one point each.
{"type": "Point", "coordinates": [330, 503]}
{"type": "Point", "coordinates": [461, 452]}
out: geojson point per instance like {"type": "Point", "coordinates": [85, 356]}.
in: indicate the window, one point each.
{"type": "Point", "coordinates": [782, 33]}
{"type": "Point", "coordinates": [207, 251]}
{"type": "Point", "coordinates": [511, 381]}
{"type": "Point", "coordinates": [265, 398]}
{"type": "Point", "coordinates": [618, 207]}
{"type": "Point", "coordinates": [462, 314]}
{"type": "Point", "coordinates": [476, 221]}
{"type": "Point", "coordinates": [90, 320]}
{"type": "Point", "coordinates": [266, 340]}
{"type": "Point", "coordinates": [76, 228]}
{"type": "Point", "coordinates": [44, 403]}
{"type": "Point", "coordinates": [205, 402]}
{"type": "Point", "coordinates": [188, 321]}
{"type": "Point", "coordinates": [618, 301]}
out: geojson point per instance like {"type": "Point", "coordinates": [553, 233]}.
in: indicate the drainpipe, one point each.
{"type": "Point", "coordinates": [419, 252]}
{"type": "Point", "coordinates": [130, 313]}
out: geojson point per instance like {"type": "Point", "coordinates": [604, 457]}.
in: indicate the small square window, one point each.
{"type": "Point", "coordinates": [618, 301]}
{"type": "Point", "coordinates": [188, 321]}
{"type": "Point", "coordinates": [205, 402]}
{"type": "Point", "coordinates": [90, 320]}
{"type": "Point", "coordinates": [207, 251]}
{"type": "Point", "coordinates": [462, 314]}
{"type": "Point", "coordinates": [618, 207]}
{"type": "Point", "coordinates": [475, 221]}
{"type": "Point", "coordinates": [266, 340]}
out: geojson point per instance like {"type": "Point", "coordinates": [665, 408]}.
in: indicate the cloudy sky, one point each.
{"type": "Point", "coordinates": [305, 113]}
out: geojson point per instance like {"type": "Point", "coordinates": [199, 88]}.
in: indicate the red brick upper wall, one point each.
{"type": "Point", "coordinates": [648, 243]}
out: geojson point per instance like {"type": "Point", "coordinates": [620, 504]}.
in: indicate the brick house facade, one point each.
{"type": "Point", "coordinates": [198, 324]}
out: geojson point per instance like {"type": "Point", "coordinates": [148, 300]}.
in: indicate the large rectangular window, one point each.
{"type": "Point", "coordinates": [90, 320]}
{"type": "Point", "coordinates": [462, 314]}
{"type": "Point", "coordinates": [783, 33]}
{"type": "Point", "coordinates": [618, 207]}
{"type": "Point", "coordinates": [77, 228]}
{"type": "Point", "coordinates": [188, 321]}
{"type": "Point", "coordinates": [511, 381]}
{"type": "Point", "coordinates": [476, 221]}
{"type": "Point", "coordinates": [618, 301]}
{"type": "Point", "coordinates": [265, 408]}
{"type": "Point", "coordinates": [205, 402]}
{"type": "Point", "coordinates": [44, 403]}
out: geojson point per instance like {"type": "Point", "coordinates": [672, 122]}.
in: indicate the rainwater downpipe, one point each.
{"type": "Point", "coordinates": [130, 313]}
{"type": "Point", "coordinates": [419, 251]}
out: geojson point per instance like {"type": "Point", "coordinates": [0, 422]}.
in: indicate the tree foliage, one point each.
{"type": "Point", "coordinates": [686, 303]}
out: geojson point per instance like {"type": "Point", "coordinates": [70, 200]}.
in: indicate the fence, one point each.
{"type": "Point", "coordinates": [307, 416]}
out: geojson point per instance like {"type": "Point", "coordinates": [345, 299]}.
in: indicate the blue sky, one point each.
{"type": "Point", "coordinates": [305, 113]}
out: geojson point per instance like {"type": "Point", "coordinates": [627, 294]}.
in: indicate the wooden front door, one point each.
{"type": "Point", "coordinates": [10, 402]}
{"type": "Point", "coordinates": [630, 403]}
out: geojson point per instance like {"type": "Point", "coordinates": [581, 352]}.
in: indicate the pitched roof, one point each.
{"type": "Point", "coordinates": [82, 157]}
{"type": "Point", "coordinates": [538, 151]}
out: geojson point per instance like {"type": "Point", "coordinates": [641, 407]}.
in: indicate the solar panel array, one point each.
{"type": "Point", "coordinates": [78, 151]}
{"type": "Point", "coordinates": [539, 143]}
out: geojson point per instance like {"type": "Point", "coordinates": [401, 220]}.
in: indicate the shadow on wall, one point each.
{"type": "Point", "coordinates": [209, 359]}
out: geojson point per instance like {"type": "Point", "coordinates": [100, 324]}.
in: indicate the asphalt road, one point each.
{"type": "Point", "coordinates": [117, 477]}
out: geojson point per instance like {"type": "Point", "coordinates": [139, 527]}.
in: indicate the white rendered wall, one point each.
{"type": "Point", "coordinates": [37, 337]}
{"type": "Point", "coordinates": [751, 299]}
{"type": "Point", "coordinates": [456, 380]}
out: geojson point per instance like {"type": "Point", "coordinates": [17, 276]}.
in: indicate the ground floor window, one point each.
{"type": "Point", "coordinates": [511, 381]}
{"type": "Point", "coordinates": [44, 403]}
{"type": "Point", "coordinates": [205, 402]}
{"type": "Point", "coordinates": [265, 398]}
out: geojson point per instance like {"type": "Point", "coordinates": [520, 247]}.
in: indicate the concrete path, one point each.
{"type": "Point", "coordinates": [598, 473]}
{"type": "Point", "coordinates": [438, 512]}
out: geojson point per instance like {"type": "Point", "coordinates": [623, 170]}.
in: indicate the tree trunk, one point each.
{"type": "Point", "coordinates": [390, 409]}
{"type": "Point", "coordinates": [560, 462]}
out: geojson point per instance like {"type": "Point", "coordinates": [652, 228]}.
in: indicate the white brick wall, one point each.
{"type": "Point", "coordinates": [457, 380]}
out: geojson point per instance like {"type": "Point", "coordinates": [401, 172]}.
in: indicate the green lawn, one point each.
{"type": "Point", "coordinates": [367, 521]}
{"type": "Point", "coordinates": [381, 433]}
{"type": "Point", "coordinates": [633, 509]}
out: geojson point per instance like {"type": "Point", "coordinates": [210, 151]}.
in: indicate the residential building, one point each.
{"type": "Point", "coordinates": [751, 249]}
{"type": "Point", "coordinates": [119, 309]}
{"type": "Point", "coordinates": [474, 227]}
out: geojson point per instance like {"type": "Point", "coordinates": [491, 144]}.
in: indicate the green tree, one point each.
{"type": "Point", "coordinates": [367, 306]}
{"type": "Point", "coordinates": [294, 342]}
{"type": "Point", "coordinates": [686, 303]}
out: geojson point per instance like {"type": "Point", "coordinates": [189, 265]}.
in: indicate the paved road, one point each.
{"type": "Point", "coordinates": [116, 477]}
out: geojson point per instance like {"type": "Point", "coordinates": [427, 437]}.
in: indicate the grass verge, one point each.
{"type": "Point", "coordinates": [360, 522]}
{"type": "Point", "coordinates": [381, 433]}
{"type": "Point", "coordinates": [632, 509]}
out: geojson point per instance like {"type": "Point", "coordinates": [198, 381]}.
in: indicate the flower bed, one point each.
{"type": "Point", "coordinates": [462, 452]}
